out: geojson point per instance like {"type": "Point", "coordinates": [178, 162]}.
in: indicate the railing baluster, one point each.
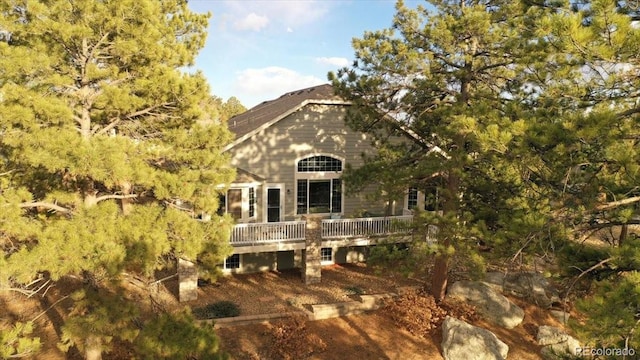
{"type": "Point", "coordinates": [256, 233]}
{"type": "Point", "coordinates": [344, 228]}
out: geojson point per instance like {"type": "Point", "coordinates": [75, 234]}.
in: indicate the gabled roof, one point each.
{"type": "Point", "coordinates": [268, 113]}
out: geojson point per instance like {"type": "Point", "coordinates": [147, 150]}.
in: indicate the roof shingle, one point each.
{"type": "Point", "coordinates": [267, 111]}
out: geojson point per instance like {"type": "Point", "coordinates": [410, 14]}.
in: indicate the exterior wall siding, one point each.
{"type": "Point", "coordinates": [285, 260]}
{"type": "Point", "coordinates": [313, 130]}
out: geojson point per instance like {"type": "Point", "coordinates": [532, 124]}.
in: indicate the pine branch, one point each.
{"type": "Point", "coordinates": [596, 227]}
{"type": "Point", "coordinates": [50, 307]}
{"type": "Point", "coordinates": [116, 121]}
{"type": "Point", "coordinates": [92, 52]}
{"type": "Point", "coordinates": [46, 205]}
{"type": "Point", "coordinates": [585, 272]}
{"type": "Point", "coordinates": [615, 204]}
{"type": "Point", "coordinates": [115, 196]}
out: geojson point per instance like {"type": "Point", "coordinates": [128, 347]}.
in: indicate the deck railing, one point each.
{"type": "Point", "coordinates": [264, 233]}
{"type": "Point", "coordinates": [344, 228]}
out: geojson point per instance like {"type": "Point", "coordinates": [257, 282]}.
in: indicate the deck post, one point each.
{"type": "Point", "coordinates": [311, 268]}
{"type": "Point", "coordinates": [187, 280]}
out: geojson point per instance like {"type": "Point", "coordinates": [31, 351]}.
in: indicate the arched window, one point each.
{"type": "Point", "coordinates": [318, 185]}
{"type": "Point", "coordinates": [319, 163]}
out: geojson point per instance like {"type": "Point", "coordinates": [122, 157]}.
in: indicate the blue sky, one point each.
{"type": "Point", "coordinates": [258, 50]}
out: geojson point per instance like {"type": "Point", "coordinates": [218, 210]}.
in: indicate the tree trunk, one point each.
{"type": "Point", "coordinates": [624, 231]}
{"type": "Point", "coordinates": [126, 204]}
{"type": "Point", "coordinates": [90, 199]}
{"type": "Point", "coordinates": [440, 277]}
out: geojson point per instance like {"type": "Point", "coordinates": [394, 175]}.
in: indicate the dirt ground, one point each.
{"type": "Point", "coordinates": [273, 292]}
{"type": "Point", "coordinates": [368, 336]}
{"type": "Point", "coordinates": [376, 336]}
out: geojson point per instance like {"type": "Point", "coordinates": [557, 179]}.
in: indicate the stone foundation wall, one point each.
{"type": "Point", "coordinates": [187, 280]}
{"type": "Point", "coordinates": [311, 268]}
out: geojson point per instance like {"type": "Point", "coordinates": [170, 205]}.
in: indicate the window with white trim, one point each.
{"type": "Point", "coordinates": [326, 256]}
{"type": "Point", "coordinates": [252, 202]}
{"type": "Point", "coordinates": [318, 185]}
{"type": "Point", "coordinates": [240, 202]}
{"type": "Point", "coordinates": [429, 199]}
{"type": "Point", "coordinates": [412, 198]}
{"type": "Point", "coordinates": [432, 199]}
{"type": "Point", "coordinates": [232, 262]}
{"type": "Point", "coordinates": [319, 163]}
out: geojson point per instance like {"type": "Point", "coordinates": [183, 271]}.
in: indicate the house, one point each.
{"type": "Point", "coordinates": [290, 153]}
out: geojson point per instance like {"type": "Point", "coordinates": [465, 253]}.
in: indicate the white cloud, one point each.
{"type": "Point", "coordinates": [252, 22]}
{"type": "Point", "coordinates": [287, 13]}
{"type": "Point", "coordinates": [270, 82]}
{"type": "Point", "coordinates": [333, 61]}
{"type": "Point", "coordinates": [289, 30]}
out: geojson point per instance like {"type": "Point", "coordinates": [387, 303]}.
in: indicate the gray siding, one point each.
{"type": "Point", "coordinates": [313, 130]}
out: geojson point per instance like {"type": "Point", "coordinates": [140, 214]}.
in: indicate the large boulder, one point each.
{"type": "Point", "coordinates": [494, 306]}
{"type": "Point", "coordinates": [527, 285]}
{"type": "Point", "coordinates": [556, 343]}
{"type": "Point", "coordinates": [464, 341]}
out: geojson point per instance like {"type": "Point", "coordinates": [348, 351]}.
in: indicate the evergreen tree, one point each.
{"type": "Point", "coordinates": [527, 118]}
{"type": "Point", "coordinates": [590, 158]}
{"type": "Point", "coordinates": [453, 80]}
{"type": "Point", "coordinates": [227, 110]}
{"type": "Point", "coordinates": [104, 164]}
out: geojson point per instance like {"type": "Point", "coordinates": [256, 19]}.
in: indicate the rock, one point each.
{"type": "Point", "coordinates": [556, 342]}
{"type": "Point", "coordinates": [494, 306]}
{"type": "Point", "coordinates": [495, 280]}
{"type": "Point", "coordinates": [532, 286]}
{"type": "Point", "coordinates": [464, 341]}
{"type": "Point", "coordinates": [561, 316]}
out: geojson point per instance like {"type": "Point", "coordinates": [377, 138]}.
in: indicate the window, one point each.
{"type": "Point", "coordinates": [429, 199]}
{"type": "Point", "coordinates": [234, 203]}
{"type": "Point", "coordinates": [302, 196]}
{"type": "Point", "coordinates": [319, 196]}
{"type": "Point", "coordinates": [336, 195]}
{"type": "Point", "coordinates": [319, 188]}
{"type": "Point", "coordinates": [252, 202]}
{"type": "Point", "coordinates": [222, 204]}
{"type": "Point", "coordinates": [432, 199]}
{"type": "Point", "coordinates": [326, 256]}
{"type": "Point", "coordinates": [239, 202]}
{"type": "Point", "coordinates": [319, 163]}
{"type": "Point", "coordinates": [412, 198]}
{"type": "Point", "coordinates": [232, 262]}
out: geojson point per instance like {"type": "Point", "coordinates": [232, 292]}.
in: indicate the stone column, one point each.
{"type": "Point", "coordinates": [187, 280]}
{"type": "Point", "coordinates": [311, 269]}
{"type": "Point", "coordinates": [297, 258]}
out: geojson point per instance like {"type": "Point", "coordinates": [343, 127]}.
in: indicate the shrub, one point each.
{"type": "Point", "coordinates": [216, 310]}
{"type": "Point", "coordinates": [176, 336]}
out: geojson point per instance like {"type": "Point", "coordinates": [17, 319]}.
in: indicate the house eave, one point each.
{"type": "Point", "coordinates": [268, 124]}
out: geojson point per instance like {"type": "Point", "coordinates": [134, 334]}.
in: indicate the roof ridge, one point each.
{"type": "Point", "coordinates": [266, 111]}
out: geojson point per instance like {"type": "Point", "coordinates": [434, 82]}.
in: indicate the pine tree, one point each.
{"type": "Point", "coordinates": [452, 79]}
{"type": "Point", "coordinates": [104, 164]}
{"type": "Point", "coordinates": [588, 147]}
